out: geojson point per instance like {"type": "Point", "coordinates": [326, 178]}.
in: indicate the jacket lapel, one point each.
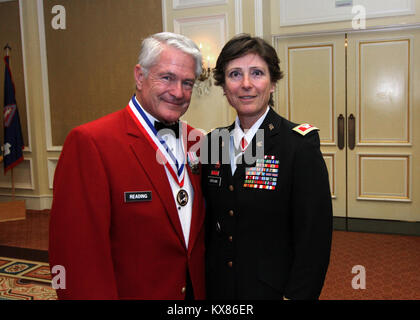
{"type": "Point", "coordinates": [260, 144]}
{"type": "Point", "coordinates": [197, 215]}
{"type": "Point", "coordinates": [146, 156]}
{"type": "Point", "coordinates": [271, 126]}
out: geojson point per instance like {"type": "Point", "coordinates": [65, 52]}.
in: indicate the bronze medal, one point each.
{"type": "Point", "coordinates": [182, 197]}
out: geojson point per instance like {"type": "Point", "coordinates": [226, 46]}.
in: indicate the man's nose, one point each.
{"type": "Point", "coordinates": [177, 90]}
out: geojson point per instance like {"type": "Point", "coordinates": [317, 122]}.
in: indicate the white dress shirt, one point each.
{"type": "Point", "coordinates": [236, 136]}
{"type": "Point", "coordinates": [177, 148]}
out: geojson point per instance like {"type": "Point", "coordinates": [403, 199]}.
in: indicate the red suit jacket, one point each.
{"type": "Point", "coordinates": [111, 249]}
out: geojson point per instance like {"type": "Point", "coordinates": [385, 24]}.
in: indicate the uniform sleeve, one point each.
{"type": "Point", "coordinates": [311, 221]}
{"type": "Point", "coordinates": [79, 238]}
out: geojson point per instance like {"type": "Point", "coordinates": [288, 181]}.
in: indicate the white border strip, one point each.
{"type": "Point", "coordinates": [238, 17]}
{"type": "Point", "coordinates": [259, 28]}
{"type": "Point", "coordinates": [44, 71]}
{"type": "Point", "coordinates": [25, 77]}
{"type": "Point", "coordinates": [179, 5]}
{"type": "Point", "coordinates": [164, 16]}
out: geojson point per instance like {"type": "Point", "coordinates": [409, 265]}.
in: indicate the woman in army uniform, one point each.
{"type": "Point", "coordinates": [269, 213]}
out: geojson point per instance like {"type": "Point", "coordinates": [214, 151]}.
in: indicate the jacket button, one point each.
{"type": "Point", "coordinates": [231, 213]}
{"type": "Point", "coordinates": [230, 264]}
{"type": "Point", "coordinates": [231, 188]}
{"type": "Point", "coordinates": [183, 290]}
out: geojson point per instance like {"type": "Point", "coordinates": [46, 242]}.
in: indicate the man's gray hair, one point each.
{"type": "Point", "coordinates": [152, 46]}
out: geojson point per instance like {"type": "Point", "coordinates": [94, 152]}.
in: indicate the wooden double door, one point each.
{"type": "Point", "coordinates": [362, 90]}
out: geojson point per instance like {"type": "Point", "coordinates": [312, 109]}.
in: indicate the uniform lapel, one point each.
{"type": "Point", "coordinates": [226, 148]}
{"type": "Point", "coordinates": [146, 156]}
{"type": "Point", "coordinates": [271, 127]}
{"type": "Point", "coordinates": [197, 218]}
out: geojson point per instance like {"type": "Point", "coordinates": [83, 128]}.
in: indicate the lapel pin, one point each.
{"type": "Point", "coordinates": [270, 126]}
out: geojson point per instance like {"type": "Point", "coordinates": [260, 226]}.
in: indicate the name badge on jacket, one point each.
{"type": "Point", "coordinates": [214, 178]}
{"type": "Point", "coordinates": [137, 196]}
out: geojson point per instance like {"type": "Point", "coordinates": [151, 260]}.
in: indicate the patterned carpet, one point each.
{"type": "Point", "coordinates": [391, 264]}
{"type": "Point", "coordinates": [25, 280]}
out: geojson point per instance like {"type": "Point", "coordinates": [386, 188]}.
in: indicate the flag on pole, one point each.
{"type": "Point", "coordinates": [13, 141]}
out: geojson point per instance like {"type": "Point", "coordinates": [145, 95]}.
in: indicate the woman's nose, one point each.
{"type": "Point", "coordinates": [246, 82]}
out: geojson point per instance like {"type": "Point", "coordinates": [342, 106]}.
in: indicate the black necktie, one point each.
{"type": "Point", "coordinates": [173, 127]}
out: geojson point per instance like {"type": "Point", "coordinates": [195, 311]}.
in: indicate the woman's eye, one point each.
{"type": "Point", "coordinates": [257, 73]}
{"type": "Point", "coordinates": [234, 74]}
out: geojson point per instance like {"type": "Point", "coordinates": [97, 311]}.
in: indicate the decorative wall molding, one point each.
{"type": "Point", "coordinates": [45, 86]}
{"type": "Point", "coordinates": [238, 17]}
{"type": "Point", "coordinates": [320, 11]}
{"type": "Point", "coordinates": [51, 164]}
{"type": "Point", "coordinates": [27, 148]}
{"type": "Point", "coordinates": [186, 4]}
{"type": "Point", "coordinates": [39, 203]}
{"type": "Point", "coordinates": [211, 31]}
{"type": "Point", "coordinates": [258, 15]}
{"type": "Point", "coordinates": [164, 16]}
{"type": "Point", "coordinates": [219, 21]}
{"type": "Point", "coordinates": [23, 176]}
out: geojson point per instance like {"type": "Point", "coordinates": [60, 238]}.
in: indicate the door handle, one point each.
{"type": "Point", "coordinates": [340, 131]}
{"type": "Point", "coordinates": [352, 131]}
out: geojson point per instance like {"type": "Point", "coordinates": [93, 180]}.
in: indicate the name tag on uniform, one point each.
{"type": "Point", "coordinates": [137, 196]}
{"type": "Point", "coordinates": [214, 181]}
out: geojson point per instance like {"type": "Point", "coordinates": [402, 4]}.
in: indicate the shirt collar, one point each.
{"type": "Point", "coordinates": [151, 118]}
{"type": "Point", "coordinates": [237, 132]}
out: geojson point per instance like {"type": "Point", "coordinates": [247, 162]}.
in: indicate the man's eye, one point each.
{"type": "Point", "coordinates": [189, 84]}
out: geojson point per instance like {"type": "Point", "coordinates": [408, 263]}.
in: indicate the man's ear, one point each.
{"type": "Point", "coordinates": [138, 76]}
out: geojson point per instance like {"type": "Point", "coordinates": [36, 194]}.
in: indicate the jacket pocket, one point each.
{"type": "Point", "coordinates": [273, 273]}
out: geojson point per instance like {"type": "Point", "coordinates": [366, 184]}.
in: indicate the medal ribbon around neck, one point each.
{"type": "Point", "coordinates": [146, 127]}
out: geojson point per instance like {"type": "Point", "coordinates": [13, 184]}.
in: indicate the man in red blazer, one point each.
{"type": "Point", "coordinates": [127, 214]}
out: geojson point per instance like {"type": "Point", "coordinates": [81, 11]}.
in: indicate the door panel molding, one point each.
{"type": "Point", "coordinates": [377, 92]}
{"type": "Point", "coordinates": [380, 179]}
{"type": "Point", "coordinates": [303, 70]}
{"type": "Point", "coordinates": [329, 158]}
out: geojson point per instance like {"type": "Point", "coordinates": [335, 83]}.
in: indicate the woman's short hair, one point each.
{"type": "Point", "coordinates": [242, 45]}
{"type": "Point", "coordinates": [152, 46]}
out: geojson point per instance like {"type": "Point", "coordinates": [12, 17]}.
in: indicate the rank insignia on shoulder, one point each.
{"type": "Point", "coordinates": [304, 129]}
